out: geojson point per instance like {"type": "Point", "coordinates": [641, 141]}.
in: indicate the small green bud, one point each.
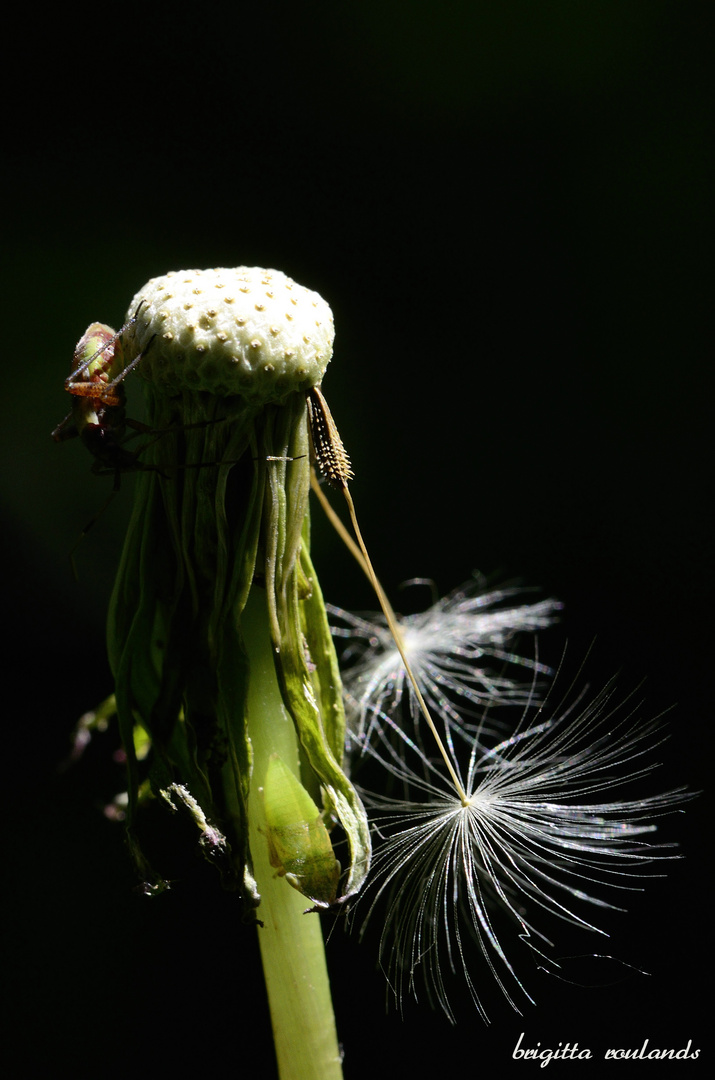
{"type": "Point", "coordinates": [245, 331]}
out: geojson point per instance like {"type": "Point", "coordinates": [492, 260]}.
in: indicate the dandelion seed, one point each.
{"type": "Point", "coordinates": [540, 830]}
{"type": "Point", "coordinates": [459, 650]}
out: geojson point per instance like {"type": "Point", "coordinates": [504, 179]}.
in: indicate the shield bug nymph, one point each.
{"type": "Point", "coordinates": [99, 400]}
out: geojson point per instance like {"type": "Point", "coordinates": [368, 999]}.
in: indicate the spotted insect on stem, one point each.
{"type": "Point", "coordinates": [299, 846]}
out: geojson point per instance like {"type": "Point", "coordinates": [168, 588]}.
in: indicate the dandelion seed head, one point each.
{"type": "Point", "coordinates": [252, 332]}
{"type": "Point", "coordinates": [544, 835]}
{"type": "Point", "coordinates": [460, 650]}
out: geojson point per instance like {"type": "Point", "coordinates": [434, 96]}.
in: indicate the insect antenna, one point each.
{"type": "Point", "coordinates": [110, 386]}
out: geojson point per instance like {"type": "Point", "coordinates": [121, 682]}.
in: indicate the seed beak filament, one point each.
{"type": "Point", "coordinates": [359, 551]}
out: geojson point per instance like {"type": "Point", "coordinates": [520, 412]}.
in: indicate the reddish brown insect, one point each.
{"type": "Point", "coordinates": [98, 399]}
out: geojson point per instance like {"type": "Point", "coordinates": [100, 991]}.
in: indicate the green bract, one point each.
{"type": "Point", "coordinates": [298, 841]}
{"type": "Point", "coordinates": [218, 542]}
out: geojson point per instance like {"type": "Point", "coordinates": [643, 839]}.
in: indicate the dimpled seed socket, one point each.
{"type": "Point", "coordinates": [245, 331]}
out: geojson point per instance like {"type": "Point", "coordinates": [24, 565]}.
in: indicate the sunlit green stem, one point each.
{"type": "Point", "coordinates": [291, 942]}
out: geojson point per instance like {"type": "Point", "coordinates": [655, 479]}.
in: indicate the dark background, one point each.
{"type": "Point", "coordinates": [508, 207]}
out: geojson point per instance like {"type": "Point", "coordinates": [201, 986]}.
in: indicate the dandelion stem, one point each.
{"type": "Point", "coordinates": [291, 942]}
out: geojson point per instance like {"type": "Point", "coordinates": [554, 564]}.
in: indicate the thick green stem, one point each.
{"type": "Point", "coordinates": [292, 948]}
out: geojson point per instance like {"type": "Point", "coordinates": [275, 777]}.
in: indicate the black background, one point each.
{"type": "Point", "coordinates": [508, 207]}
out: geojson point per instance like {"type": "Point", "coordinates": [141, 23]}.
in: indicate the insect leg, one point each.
{"type": "Point", "coordinates": [63, 431]}
{"type": "Point", "coordinates": [123, 374]}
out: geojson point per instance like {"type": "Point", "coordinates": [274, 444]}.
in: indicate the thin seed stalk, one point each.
{"type": "Point", "coordinates": [291, 942]}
